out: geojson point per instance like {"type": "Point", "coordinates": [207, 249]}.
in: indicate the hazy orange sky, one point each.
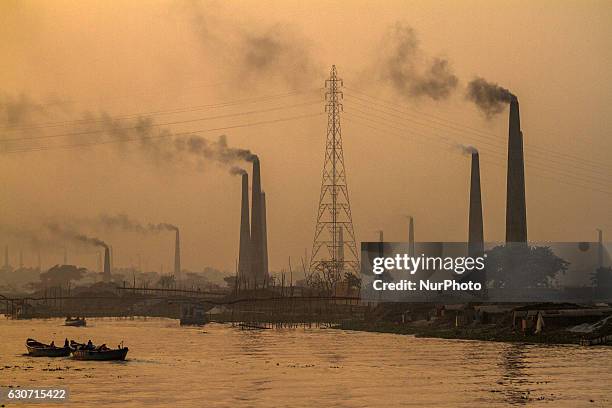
{"type": "Point", "coordinates": [136, 57]}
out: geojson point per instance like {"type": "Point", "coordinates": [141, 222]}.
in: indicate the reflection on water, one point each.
{"type": "Point", "coordinates": [515, 376]}
{"type": "Point", "coordinates": [227, 367]}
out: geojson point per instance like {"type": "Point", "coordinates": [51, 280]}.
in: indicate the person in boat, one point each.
{"type": "Point", "coordinates": [52, 345]}
{"type": "Point", "coordinates": [90, 345]}
{"type": "Point", "coordinates": [66, 344]}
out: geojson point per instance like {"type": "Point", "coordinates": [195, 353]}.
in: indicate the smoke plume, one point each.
{"type": "Point", "coordinates": [405, 67]}
{"type": "Point", "coordinates": [218, 151]}
{"type": "Point", "coordinates": [259, 54]}
{"type": "Point", "coordinates": [238, 171]}
{"type": "Point", "coordinates": [489, 97]}
{"type": "Point", "coordinates": [467, 149]}
{"type": "Point", "coordinates": [276, 51]}
{"type": "Point", "coordinates": [73, 236]}
{"type": "Point", "coordinates": [17, 111]}
{"type": "Point", "coordinates": [154, 142]}
{"type": "Point", "coordinates": [125, 223]}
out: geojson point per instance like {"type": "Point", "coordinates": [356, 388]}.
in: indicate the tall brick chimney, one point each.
{"type": "Point", "coordinates": [256, 252]}
{"type": "Point", "coordinates": [244, 263]}
{"type": "Point", "coordinates": [107, 265]}
{"type": "Point", "coordinates": [475, 225]}
{"type": "Point", "coordinates": [516, 213]}
{"type": "Point", "coordinates": [177, 256]}
{"type": "Point", "coordinates": [264, 237]}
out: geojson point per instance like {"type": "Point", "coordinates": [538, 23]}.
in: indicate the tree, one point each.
{"type": "Point", "coordinates": [523, 266]}
{"type": "Point", "coordinates": [61, 275]}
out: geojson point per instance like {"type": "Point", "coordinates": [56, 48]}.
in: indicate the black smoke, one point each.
{"type": "Point", "coordinates": [140, 135]}
{"type": "Point", "coordinates": [125, 223]}
{"type": "Point", "coordinates": [18, 111]}
{"type": "Point", "coordinates": [255, 53]}
{"type": "Point", "coordinates": [67, 234]}
{"type": "Point", "coordinates": [411, 74]}
{"type": "Point", "coordinates": [467, 150]}
{"type": "Point", "coordinates": [489, 97]}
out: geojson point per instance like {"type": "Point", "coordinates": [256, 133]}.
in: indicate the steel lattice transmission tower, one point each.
{"type": "Point", "coordinates": [334, 251]}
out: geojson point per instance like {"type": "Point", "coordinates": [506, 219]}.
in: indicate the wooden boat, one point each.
{"type": "Point", "coordinates": [100, 355]}
{"type": "Point", "coordinates": [37, 349]}
{"type": "Point", "coordinates": [78, 322]}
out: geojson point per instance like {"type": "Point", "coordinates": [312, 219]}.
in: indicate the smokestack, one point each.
{"type": "Point", "coordinates": [244, 265]}
{"type": "Point", "coordinates": [256, 257]}
{"type": "Point", "coordinates": [264, 237]}
{"type": "Point", "coordinates": [475, 224]}
{"type": "Point", "coordinates": [177, 257]}
{"type": "Point", "coordinates": [516, 213]}
{"type": "Point", "coordinates": [107, 265]}
{"type": "Point", "coordinates": [6, 257]}
{"type": "Point", "coordinates": [111, 258]}
{"type": "Point", "coordinates": [411, 235]}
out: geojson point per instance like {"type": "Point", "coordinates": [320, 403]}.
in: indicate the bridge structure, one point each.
{"type": "Point", "coordinates": [257, 306]}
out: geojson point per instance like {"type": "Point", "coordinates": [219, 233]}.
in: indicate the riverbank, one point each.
{"type": "Point", "coordinates": [489, 332]}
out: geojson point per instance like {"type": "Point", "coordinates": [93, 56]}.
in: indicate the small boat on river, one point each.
{"type": "Point", "coordinates": [38, 349]}
{"type": "Point", "coordinates": [101, 353]}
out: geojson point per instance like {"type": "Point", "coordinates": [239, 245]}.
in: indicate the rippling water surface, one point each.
{"type": "Point", "coordinates": [221, 366]}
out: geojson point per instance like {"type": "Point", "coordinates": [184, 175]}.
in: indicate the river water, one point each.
{"type": "Point", "coordinates": [222, 366]}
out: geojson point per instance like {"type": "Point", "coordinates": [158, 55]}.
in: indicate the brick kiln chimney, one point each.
{"type": "Point", "coordinates": [244, 265]}
{"type": "Point", "coordinates": [177, 256]}
{"type": "Point", "coordinates": [516, 213]}
{"type": "Point", "coordinates": [256, 252]}
{"type": "Point", "coordinates": [264, 237]}
{"type": "Point", "coordinates": [107, 266]}
{"type": "Point", "coordinates": [475, 225]}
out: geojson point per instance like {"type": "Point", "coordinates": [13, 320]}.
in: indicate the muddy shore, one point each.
{"type": "Point", "coordinates": [490, 332]}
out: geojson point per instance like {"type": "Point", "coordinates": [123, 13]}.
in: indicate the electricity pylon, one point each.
{"type": "Point", "coordinates": [334, 249]}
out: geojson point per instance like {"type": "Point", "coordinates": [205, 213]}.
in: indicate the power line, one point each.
{"type": "Point", "coordinates": [186, 109]}
{"type": "Point", "coordinates": [539, 175]}
{"type": "Point", "coordinates": [448, 142]}
{"type": "Point", "coordinates": [97, 131]}
{"type": "Point", "coordinates": [560, 171]}
{"type": "Point", "coordinates": [160, 136]}
{"type": "Point", "coordinates": [560, 166]}
{"type": "Point", "coordinates": [445, 122]}
{"type": "Point", "coordinates": [494, 141]}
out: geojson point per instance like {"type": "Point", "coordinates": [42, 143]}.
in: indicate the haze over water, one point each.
{"type": "Point", "coordinates": [221, 366]}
